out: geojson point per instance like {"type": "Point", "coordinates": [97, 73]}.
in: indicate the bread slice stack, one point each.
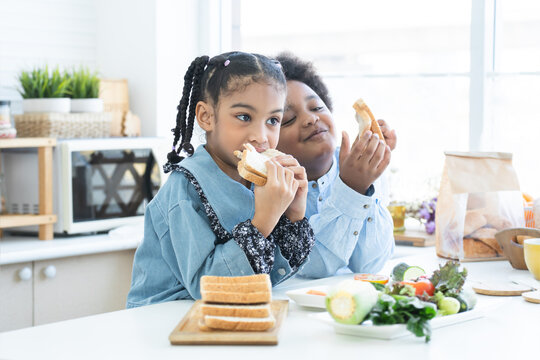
{"type": "Point", "coordinates": [237, 303]}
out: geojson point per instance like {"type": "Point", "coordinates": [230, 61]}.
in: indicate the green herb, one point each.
{"type": "Point", "coordinates": [401, 289]}
{"type": "Point", "coordinates": [398, 309]}
{"type": "Point", "coordinates": [378, 287]}
{"type": "Point", "coordinates": [39, 84]}
{"type": "Point", "coordinates": [448, 279]}
{"type": "Point", "coordinates": [84, 84]}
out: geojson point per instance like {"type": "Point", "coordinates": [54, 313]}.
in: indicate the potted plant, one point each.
{"type": "Point", "coordinates": [44, 92]}
{"type": "Point", "coordinates": [84, 91]}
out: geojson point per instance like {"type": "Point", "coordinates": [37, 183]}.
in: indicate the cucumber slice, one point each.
{"type": "Point", "coordinates": [399, 269]}
{"type": "Point", "coordinates": [413, 273]}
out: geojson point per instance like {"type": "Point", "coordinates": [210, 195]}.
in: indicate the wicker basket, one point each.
{"type": "Point", "coordinates": [65, 126]}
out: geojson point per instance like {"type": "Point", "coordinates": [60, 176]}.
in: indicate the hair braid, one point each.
{"type": "Point", "coordinates": [180, 129]}
{"type": "Point", "coordinates": [195, 97]}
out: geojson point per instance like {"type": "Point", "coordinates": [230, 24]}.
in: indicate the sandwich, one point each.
{"type": "Point", "coordinates": [366, 120]}
{"type": "Point", "coordinates": [237, 303]}
{"type": "Point", "coordinates": [252, 163]}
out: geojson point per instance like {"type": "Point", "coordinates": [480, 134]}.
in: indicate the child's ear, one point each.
{"type": "Point", "coordinates": [204, 113]}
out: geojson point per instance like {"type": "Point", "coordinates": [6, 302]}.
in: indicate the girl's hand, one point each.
{"type": "Point", "coordinates": [272, 199]}
{"type": "Point", "coordinates": [389, 134]}
{"type": "Point", "coordinates": [364, 162]}
{"type": "Point", "coordinates": [297, 209]}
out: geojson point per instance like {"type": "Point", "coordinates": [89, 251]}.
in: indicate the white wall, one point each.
{"type": "Point", "coordinates": [149, 42]}
{"type": "Point", "coordinates": [176, 47]}
{"type": "Point", "coordinates": [36, 33]}
{"type": "Point", "coordinates": [126, 48]}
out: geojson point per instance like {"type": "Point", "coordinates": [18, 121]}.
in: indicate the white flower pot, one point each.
{"type": "Point", "coordinates": [56, 105]}
{"type": "Point", "coordinates": [86, 105]}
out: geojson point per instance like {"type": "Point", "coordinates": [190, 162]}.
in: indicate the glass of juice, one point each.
{"type": "Point", "coordinates": [397, 210]}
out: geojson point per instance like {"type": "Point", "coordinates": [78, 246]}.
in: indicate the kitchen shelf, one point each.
{"type": "Point", "coordinates": [45, 219]}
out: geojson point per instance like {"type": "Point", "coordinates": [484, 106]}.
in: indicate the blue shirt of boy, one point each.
{"type": "Point", "coordinates": [351, 230]}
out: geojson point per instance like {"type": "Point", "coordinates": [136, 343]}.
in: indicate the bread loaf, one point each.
{"type": "Point", "coordinates": [482, 244]}
{"type": "Point", "coordinates": [474, 220]}
{"type": "Point", "coordinates": [477, 249]}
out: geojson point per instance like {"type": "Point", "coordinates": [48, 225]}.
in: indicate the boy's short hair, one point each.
{"type": "Point", "coordinates": [297, 69]}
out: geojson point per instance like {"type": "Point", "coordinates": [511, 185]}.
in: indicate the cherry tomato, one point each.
{"type": "Point", "coordinates": [421, 286]}
{"type": "Point", "coordinates": [373, 278]}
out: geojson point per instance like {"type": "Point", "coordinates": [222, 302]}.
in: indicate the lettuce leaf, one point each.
{"type": "Point", "coordinates": [399, 309]}
{"type": "Point", "coordinates": [448, 279]}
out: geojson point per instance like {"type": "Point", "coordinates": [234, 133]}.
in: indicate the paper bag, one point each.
{"type": "Point", "coordinates": [479, 196]}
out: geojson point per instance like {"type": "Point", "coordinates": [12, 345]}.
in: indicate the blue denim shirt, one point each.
{"type": "Point", "coordinates": [179, 245]}
{"type": "Point", "coordinates": [351, 230]}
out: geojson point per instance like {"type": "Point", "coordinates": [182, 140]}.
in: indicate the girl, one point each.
{"type": "Point", "coordinates": [206, 220]}
{"type": "Point", "coordinates": [352, 226]}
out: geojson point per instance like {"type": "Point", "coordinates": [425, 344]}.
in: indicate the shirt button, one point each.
{"type": "Point", "coordinates": [320, 198]}
{"type": "Point", "coordinates": [281, 271]}
{"type": "Point", "coordinates": [355, 233]}
{"type": "Point", "coordinates": [322, 182]}
{"type": "Point", "coordinates": [369, 219]}
{"type": "Point", "coordinates": [314, 185]}
{"type": "Point", "coordinates": [366, 206]}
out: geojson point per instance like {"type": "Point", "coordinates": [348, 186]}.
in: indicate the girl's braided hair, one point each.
{"type": "Point", "coordinates": [208, 79]}
{"type": "Point", "coordinates": [297, 69]}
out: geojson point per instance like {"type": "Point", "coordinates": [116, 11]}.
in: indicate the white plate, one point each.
{"type": "Point", "coordinates": [393, 331]}
{"type": "Point", "coordinates": [301, 297]}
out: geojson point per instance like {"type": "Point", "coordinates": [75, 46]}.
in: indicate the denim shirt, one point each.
{"type": "Point", "coordinates": [179, 245]}
{"type": "Point", "coordinates": [351, 230]}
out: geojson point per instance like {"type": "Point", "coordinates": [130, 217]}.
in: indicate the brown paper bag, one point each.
{"type": "Point", "coordinates": [479, 196]}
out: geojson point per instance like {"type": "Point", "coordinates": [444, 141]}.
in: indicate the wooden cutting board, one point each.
{"type": "Point", "coordinates": [414, 238]}
{"type": "Point", "coordinates": [533, 296]}
{"type": "Point", "coordinates": [187, 332]}
{"type": "Point", "coordinates": [500, 288]}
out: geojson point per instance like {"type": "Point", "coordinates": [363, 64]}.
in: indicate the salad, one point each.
{"type": "Point", "coordinates": [410, 297]}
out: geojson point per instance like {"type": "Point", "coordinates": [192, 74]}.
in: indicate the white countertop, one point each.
{"type": "Point", "coordinates": [508, 331]}
{"type": "Point", "coordinates": [18, 249]}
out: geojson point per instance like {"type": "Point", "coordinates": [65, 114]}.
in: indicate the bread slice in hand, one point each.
{"type": "Point", "coordinates": [233, 323]}
{"type": "Point", "coordinates": [252, 165]}
{"type": "Point", "coordinates": [366, 120]}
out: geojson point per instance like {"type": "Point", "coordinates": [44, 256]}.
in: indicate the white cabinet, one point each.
{"type": "Point", "coordinates": [16, 296]}
{"type": "Point", "coordinates": [64, 288]}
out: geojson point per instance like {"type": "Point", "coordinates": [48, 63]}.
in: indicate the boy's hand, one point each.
{"type": "Point", "coordinates": [297, 209]}
{"type": "Point", "coordinates": [389, 134]}
{"type": "Point", "coordinates": [364, 162]}
{"type": "Point", "coordinates": [272, 199]}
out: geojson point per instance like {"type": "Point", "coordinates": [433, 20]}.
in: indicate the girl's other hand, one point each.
{"type": "Point", "coordinates": [389, 134]}
{"type": "Point", "coordinates": [272, 199]}
{"type": "Point", "coordinates": [297, 209]}
{"type": "Point", "coordinates": [364, 162]}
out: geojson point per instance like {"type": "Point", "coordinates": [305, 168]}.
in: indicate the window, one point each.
{"type": "Point", "coordinates": [414, 64]}
{"type": "Point", "coordinates": [513, 89]}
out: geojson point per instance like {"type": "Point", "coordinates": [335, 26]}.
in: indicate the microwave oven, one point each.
{"type": "Point", "coordinates": [98, 184]}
